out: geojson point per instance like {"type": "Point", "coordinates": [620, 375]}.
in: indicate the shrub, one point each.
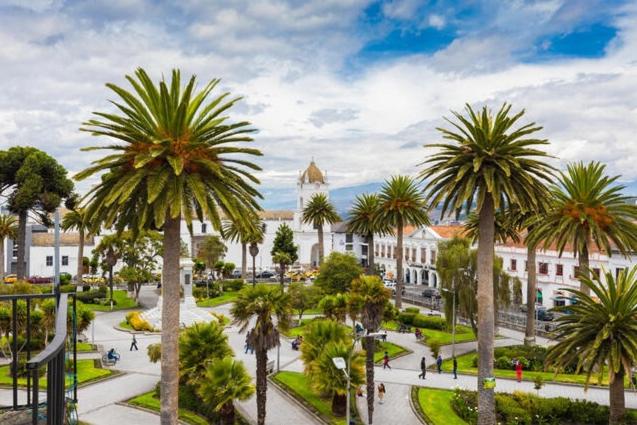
{"type": "Point", "coordinates": [429, 322]}
{"type": "Point", "coordinates": [503, 362]}
{"type": "Point", "coordinates": [69, 287]}
{"type": "Point", "coordinates": [474, 361]}
{"type": "Point", "coordinates": [510, 412]}
{"type": "Point", "coordinates": [415, 310]}
{"type": "Point", "coordinates": [65, 278]}
{"type": "Point", "coordinates": [406, 318]}
{"type": "Point", "coordinates": [135, 320]}
{"type": "Point", "coordinates": [232, 285]}
{"type": "Point", "coordinates": [434, 346]}
{"type": "Point", "coordinates": [465, 403]}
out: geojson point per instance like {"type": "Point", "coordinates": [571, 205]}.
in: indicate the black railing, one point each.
{"type": "Point", "coordinates": [53, 357]}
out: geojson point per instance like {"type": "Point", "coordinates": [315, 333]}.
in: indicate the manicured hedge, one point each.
{"type": "Point", "coordinates": [422, 320]}
{"type": "Point", "coordinates": [135, 320]}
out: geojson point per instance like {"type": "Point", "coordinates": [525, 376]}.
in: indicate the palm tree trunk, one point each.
{"type": "Point", "coordinates": [262, 384]}
{"type": "Point", "coordinates": [584, 272]}
{"type": "Point", "coordinates": [244, 261]}
{"type": "Point", "coordinates": [170, 322]}
{"type": "Point", "coordinates": [2, 259]}
{"type": "Point", "coordinates": [320, 247]}
{"type": "Point", "coordinates": [371, 268]}
{"type": "Point", "coordinates": [227, 413]}
{"type": "Point", "coordinates": [531, 294]}
{"type": "Point", "coordinates": [369, 366]}
{"type": "Point", "coordinates": [486, 312]}
{"type": "Point", "coordinates": [22, 236]}
{"type": "Point", "coordinates": [80, 256]}
{"type": "Point", "coordinates": [617, 401]}
{"type": "Point", "coordinates": [399, 265]}
{"type": "Point", "coordinates": [110, 280]}
{"type": "Point", "coordinates": [339, 404]}
{"type": "Point", "coordinates": [282, 276]}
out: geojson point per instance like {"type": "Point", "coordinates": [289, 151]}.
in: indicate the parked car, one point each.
{"type": "Point", "coordinates": [545, 314]}
{"type": "Point", "coordinates": [236, 274]}
{"type": "Point", "coordinates": [266, 274]}
{"type": "Point", "coordinates": [10, 278]}
{"type": "Point", "coordinates": [393, 291]}
{"type": "Point", "coordinates": [389, 283]}
{"type": "Point", "coordinates": [40, 279]}
{"type": "Point", "coordinates": [431, 293]}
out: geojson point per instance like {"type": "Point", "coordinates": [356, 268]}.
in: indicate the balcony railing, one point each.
{"type": "Point", "coordinates": [53, 358]}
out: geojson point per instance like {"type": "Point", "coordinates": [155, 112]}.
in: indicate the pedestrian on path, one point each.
{"type": "Point", "coordinates": [386, 361]}
{"type": "Point", "coordinates": [381, 392]}
{"type": "Point", "coordinates": [423, 368]}
{"type": "Point", "coordinates": [133, 344]}
{"type": "Point", "coordinates": [455, 368]}
{"type": "Point", "coordinates": [439, 363]}
{"type": "Point", "coordinates": [518, 370]}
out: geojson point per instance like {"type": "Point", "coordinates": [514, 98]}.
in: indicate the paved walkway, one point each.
{"type": "Point", "coordinates": [392, 410]}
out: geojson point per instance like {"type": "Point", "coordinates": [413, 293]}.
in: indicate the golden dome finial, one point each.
{"type": "Point", "coordinates": [312, 174]}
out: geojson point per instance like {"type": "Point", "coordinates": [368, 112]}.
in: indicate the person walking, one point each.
{"type": "Point", "coordinates": [455, 368]}
{"type": "Point", "coordinates": [386, 361]}
{"type": "Point", "coordinates": [518, 370]}
{"type": "Point", "coordinates": [133, 344]}
{"type": "Point", "coordinates": [381, 392]}
{"type": "Point", "coordinates": [439, 363]}
{"type": "Point", "coordinates": [423, 368]}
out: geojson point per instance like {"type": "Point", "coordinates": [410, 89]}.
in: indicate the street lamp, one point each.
{"type": "Point", "coordinates": [254, 251]}
{"type": "Point", "coordinates": [453, 313]}
{"type": "Point", "coordinates": [343, 365]}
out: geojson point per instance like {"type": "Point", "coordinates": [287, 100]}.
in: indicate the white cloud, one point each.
{"type": "Point", "coordinates": [436, 21]}
{"type": "Point", "coordinates": [401, 9]}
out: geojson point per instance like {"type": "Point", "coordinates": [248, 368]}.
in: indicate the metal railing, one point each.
{"type": "Point", "coordinates": [52, 357]}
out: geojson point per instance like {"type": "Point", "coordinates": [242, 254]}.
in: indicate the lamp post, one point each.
{"type": "Point", "coordinates": [254, 251]}
{"type": "Point", "coordinates": [343, 365]}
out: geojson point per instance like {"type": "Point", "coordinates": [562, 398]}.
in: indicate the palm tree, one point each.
{"type": "Point", "coordinates": [75, 220]}
{"type": "Point", "coordinates": [588, 208]}
{"type": "Point", "coordinates": [263, 303]}
{"type": "Point", "coordinates": [199, 345]}
{"type": "Point", "coordinates": [238, 232]}
{"type": "Point", "coordinates": [226, 380]}
{"type": "Point", "coordinates": [374, 297]}
{"type": "Point", "coordinates": [319, 211]}
{"type": "Point", "coordinates": [318, 333]}
{"type": "Point", "coordinates": [8, 229]}
{"type": "Point", "coordinates": [401, 204]}
{"type": "Point", "coordinates": [175, 159]}
{"type": "Point", "coordinates": [491, 163]}
{"type": "Point", "coordinates": [362, 221]}
{"type": "Point", "coordinates": [600, 333]}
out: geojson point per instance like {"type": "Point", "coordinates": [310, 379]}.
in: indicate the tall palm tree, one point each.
{"type": "Point", "coordinates": [401, 204]}
{"type": "Point", "coordinates": [600, 333]}
{"type": "Point", "coordinates": [588, 209]}
{"type": "Point", "coordinates": [318, 212]}
{"type": "Point", "coordinates": [75, 220]}
{"type": "Point", "coordinates": [226, 380]}
{"type": "Point", "coordinates": [174, 158]}
{"type": "Point", "coordinates": [487, 161]}
{"type": "Point", "coordinates": [362, 221]}
{"type": "Point", "coordinates": [245, 235]}
{"type": "Point", "coordinates": [262, 303]}
{"type": "Point", "coordinates": [8, 229]}
{"type": "Point", "coordinates": [374, 297]}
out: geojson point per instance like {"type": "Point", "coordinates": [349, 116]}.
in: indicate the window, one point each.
{"type": "Point", "coordinates": [49, 260]}
{"type": "Point", "coordinates": [65, 260]}
{"type": "Point", "coordinates": [526, 266]}
{"type": "Point", "coordinates": [203, 227]}
{"type": "Point", "coordinates": [349, 238]}
{"type": "Point", "coordinates": [575, 271]}
{"type": "Point", "coordinates": [348, 247]}
{"type": "Point", "coordinates": [382, 250]}
{"type": "Point", "coordinates": [596, 273]}
{"type": "Point", "coordinates": [423, 255]}
{"type": "Point", "coordinates": [618, 270]}
{"type": "Point", "coordinates": [413, 254]}
{"type": "Point", "coordinates": [559, 270]}
{"type": "Point", "coordinates": [364, 250]}
{"type": "Point", "coordinates": [394, 252]}
{"type": "Point", "coordinates": [406, 254]}
{"type": "Point", "coordinates": [514, 264]}
{"type": "Point", "coordinates": [15, 250]}
{"type": "Point", "coordinates": [543, 268]}
{"type": "Point", "coordinates": [433, 257]}
{"type": "Point", "coordinates": [376, 250]}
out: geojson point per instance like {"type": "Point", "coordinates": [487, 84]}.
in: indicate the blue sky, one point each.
{"type": "Point", "coordinates": [358, 85]}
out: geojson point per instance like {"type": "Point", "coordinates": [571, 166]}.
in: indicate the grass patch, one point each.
{"type": "Point", "coordinates": [309, 311]}
{"type": "Point", "coordinates": [393, 351]}
{"type": "Point", "coordinates": [85, 347]}
{"type": "Point", "coordinates": [86, 372]}
{"type": "Point", "coordinates": [224, 298]}
{"type": "Point", "coordinates": [124, 325]}
{"type": "Point", "coordinates": [120, 296]}
{"type": "Point", "coordinates": [463, 333]}
{"type": "Point", "coordinates": [293, 332]}
{"type": "Point", "coordinates": [465, 365]}
{"type": "Point", "coordinates": [435, 404]}
{"type": "Point", "coordinates": [149, 401]}
{"type": "Point", "coordinates": [298, 384]}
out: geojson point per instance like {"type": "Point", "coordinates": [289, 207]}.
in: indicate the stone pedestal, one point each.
{"type": "Point", "coordinates": [189, 313]}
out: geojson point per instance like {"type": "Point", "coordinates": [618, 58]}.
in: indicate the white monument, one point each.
{"type": "Point", "coordinates": [189, 313]}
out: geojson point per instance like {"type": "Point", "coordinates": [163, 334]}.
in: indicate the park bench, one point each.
{"type": "Point", "coordinates": [269, 367]}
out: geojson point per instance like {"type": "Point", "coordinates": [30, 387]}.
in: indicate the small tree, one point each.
{"type": "Point", "coordinates": [218, 268]}
{"type": "Point", "coordinates": [303, 297]}
{"type": "Point", "coordinates": [334, 306]}
{"type": "Point", "coordinates": [283, 259]}
{"type": "Point", "coordinates": [284, 242]}
{"type": "Point", "coordinates": [228, 268]}
{"type": "Point", "coordinates": [337, 272]}
{"type": "Point", "coordinates": [8, 229]}
{"type": "Point", "coordinates": [211, 250]}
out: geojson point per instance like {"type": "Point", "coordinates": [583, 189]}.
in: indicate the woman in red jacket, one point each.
{"type": "Point", "coordinates": [518, 370]}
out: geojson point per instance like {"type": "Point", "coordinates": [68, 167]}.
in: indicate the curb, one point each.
{"type": "Point", "coordinates": [304, 406]}
{"type": "Point", "coordinates": [415, 406]}
{"type": "Point", "coordinates": [144, 409]}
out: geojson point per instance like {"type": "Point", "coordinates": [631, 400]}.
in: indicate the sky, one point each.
{"type": "Point", "coordinates": [360, 86]}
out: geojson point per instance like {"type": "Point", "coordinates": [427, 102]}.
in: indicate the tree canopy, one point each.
{"type": "Point", "coordinates": [284, 242]}
{"type": "Point", "coordinates": [337, 273]}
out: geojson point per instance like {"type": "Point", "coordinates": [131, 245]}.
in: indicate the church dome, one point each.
{"type": "Point", "coordinates": [312, 174]}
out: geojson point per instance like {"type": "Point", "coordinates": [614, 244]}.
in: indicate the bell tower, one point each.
{"type": "Point", "coordinates": [310, 182]}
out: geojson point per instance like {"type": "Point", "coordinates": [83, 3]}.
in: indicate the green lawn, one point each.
{"type": "Point", "coordinates": [309, 311]}
{"type": "Point", "coordinates": [298, 384]}
{"type": "Point", "coordinates": [465, 365]}
{"type": "Point", "coordinates": [300, 330]}
{"type": "Point", "coordinates": [393, 350]}
{"type": "Point", "coordinates": [86, 372]}
{"type": "Point", "coordinates": [85, 347]}
{"type": "Point", "coordinates": [463, 333]}
{"type": "Point", "coordinates": [224, 298]}
{"type": "Point", "coordinates": [436, 405]}
{"type": "Point", "coordinates": [121, 298]}
{"type": "Point", "coordinates": [148, 401]}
